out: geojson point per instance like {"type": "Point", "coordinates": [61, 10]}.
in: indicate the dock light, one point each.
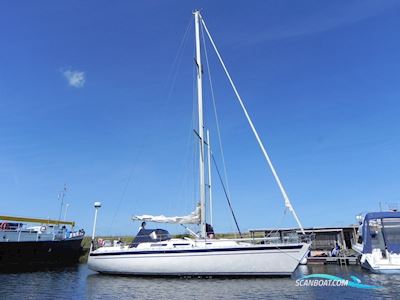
{"type": "Point", "coordinates": [97, 205]}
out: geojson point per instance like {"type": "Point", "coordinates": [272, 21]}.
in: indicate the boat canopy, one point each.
{"type": "Point", "coordinates": [193, 218]}
{"type": "Point", "coordinates": [150, 236]}
{"type": "Point", "coordinates": [384, 226]}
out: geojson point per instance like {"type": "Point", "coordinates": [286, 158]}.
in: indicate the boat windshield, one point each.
{"type": "Point", "coordinates": [385, 234]}
{"type": "Point", "coordinates": [375, 229]}
{"type": "Point", "coordinates": [391, 230]}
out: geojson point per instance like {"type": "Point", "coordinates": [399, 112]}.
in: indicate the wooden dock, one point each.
{"type": "Point", "coordinates": [340, 260]}
{"type": "Point", "coordinates": [323, 241]}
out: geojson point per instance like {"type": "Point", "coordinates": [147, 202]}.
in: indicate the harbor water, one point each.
{"type": "Point", "coordinates": [81, 283]}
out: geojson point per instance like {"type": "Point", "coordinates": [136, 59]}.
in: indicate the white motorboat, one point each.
{"type": "Point", "coordinates": [154, 252]}
{"type": "Point", "coordinates": [379, 241]}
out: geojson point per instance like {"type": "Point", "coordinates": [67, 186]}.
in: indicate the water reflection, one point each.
{"type": "Point", "coordinates": [124, 287]}
{"type": "Point", "coordinates": [81, 283]}
{"type": "Point", "coordinates": [100, 286]}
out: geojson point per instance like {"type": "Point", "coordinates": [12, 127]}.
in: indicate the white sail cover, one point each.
{"type": "Point", "coordinates": [193, 218]}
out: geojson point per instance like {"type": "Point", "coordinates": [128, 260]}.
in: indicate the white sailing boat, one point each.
{"type": "Point", "coordinates": [154, 252]}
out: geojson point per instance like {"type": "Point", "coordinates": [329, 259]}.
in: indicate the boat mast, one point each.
{"type": "Point", "coordinates": [201, 125]}
{"type": "Point", "coordinates": [61, 196]}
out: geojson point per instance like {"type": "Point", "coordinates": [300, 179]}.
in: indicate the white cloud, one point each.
{"type": "Point", "coordinates": [75, 78]}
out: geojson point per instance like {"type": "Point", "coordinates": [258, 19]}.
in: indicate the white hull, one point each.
{"type": "Point", "coordinates": [239, 260]}
{"type": "Point", "coordinates": [376, 263]}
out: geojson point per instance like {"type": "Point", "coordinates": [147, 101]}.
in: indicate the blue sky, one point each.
{"type": "Point", "coordinates": [90, 97]}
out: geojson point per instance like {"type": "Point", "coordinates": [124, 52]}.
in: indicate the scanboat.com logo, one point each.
{"type": "Point", "coordinates": [335, 281]}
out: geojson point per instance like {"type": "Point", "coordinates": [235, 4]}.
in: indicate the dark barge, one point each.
{"type": "Point", "coordinates": [30, 243]}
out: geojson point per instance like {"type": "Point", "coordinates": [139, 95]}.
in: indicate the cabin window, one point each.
{"type": "Point", "coordinates": [158, 245]}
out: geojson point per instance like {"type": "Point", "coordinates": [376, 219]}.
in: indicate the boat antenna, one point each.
{"type": "Point", "coordinates": [201, 125]}
{"type": "Point", "coordinates": [65, 212]}
{"type": "Point", "coordinates": [61, 196]}
{"type": "Point", "coordinates": [288, 204]}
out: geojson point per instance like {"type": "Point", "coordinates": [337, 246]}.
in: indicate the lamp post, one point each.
{"type": "Point", "coordinates": [97, 205]}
